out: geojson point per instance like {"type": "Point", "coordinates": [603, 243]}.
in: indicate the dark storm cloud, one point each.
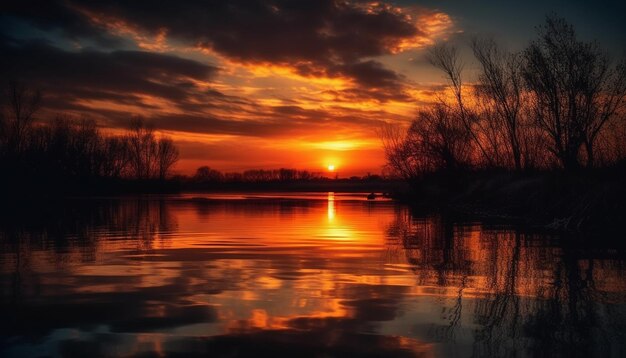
{"type": "Point", "coordinates": [118, 70]}
{"type": "Point", "coordinates": [279, 31]}
{"type": "Point", "coordinates": [372, 82]}
{"type": "Point", "coordinates": [314, 37]}
{"type": "Point", "coordinates": [372, 74]}
{"type": "Point", "coordinates": [118, 76]}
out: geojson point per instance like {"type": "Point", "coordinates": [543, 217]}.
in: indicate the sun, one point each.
{"type": "Point", "coordinates": [331, 167]}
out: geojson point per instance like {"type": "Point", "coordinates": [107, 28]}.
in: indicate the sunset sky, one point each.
{"type": "Point", "coordinates": [263, 84]}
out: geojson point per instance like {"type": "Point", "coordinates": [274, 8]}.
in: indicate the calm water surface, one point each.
{"type": "Point", "coordinates": [305, 275]}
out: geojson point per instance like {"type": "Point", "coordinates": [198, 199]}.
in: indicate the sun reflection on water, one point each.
{"type": "Point", "coordinates": [331, 206]}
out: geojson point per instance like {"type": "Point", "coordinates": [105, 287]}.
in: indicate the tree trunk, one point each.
{"type": "Point", "coordinates": [590, 154]}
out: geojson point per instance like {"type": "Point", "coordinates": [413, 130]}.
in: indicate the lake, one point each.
{"type": "Point", "coordinates": [299, 274]}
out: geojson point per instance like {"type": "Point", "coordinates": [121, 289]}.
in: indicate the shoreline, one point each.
{"type": "Point", "coordinates": [587, 201]}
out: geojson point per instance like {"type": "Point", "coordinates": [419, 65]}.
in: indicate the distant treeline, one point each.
{"type": "Point", "coordinates": [558, 103]}
{"type": "Point", "coordinates": [283, 179]}
{"type": "Point", "coordinates": [71, 153]}
{"type": "Point", "coordinates": [207, 175]}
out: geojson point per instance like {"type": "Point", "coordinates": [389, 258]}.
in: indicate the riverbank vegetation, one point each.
{"type": "Point", "coordinates": [69, 155]}
{"type": "Point", "coordinates": [540, 133]}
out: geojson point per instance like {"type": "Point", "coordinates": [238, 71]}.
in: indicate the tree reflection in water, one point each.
{"type": "Point", "coordinates": [526, 292]}
{"type": "Point", "coordinates": [76, 232]}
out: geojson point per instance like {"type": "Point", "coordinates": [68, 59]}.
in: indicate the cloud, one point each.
{"type": "Point", "coordinates": [131, 80]}
{"type": "Point", "coordinates": [280, 31]}
{"type": "Point", "coordinates": [152, 73]}
{"type": "Point", "coordinates": [371, 74]}
{"type": "Point", "coordinates": [314, 38]}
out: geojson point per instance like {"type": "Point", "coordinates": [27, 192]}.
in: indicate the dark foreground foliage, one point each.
{"type": "Point", "coordinates": [587, 200]}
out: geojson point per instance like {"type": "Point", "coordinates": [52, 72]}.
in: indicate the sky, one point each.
{"type": "Point", "coordinates": [249, 84]}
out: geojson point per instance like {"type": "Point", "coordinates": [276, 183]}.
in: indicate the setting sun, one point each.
{"type": "Point", "coordinates": [331, 167]}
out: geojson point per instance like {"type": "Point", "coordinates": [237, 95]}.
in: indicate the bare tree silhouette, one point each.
{"type": "Point", "coordinates": [21, 104]}
{"type": "Point", "coordinates": [167, 156]}
{"type": "Point", "coordinates": [500, 85]}
{"type": "Point", "coordinates": [574, 88]}
{"type": "Point", "coordinates": [446, 58]}
{"type": "Point", "coordinates": [549, 103]}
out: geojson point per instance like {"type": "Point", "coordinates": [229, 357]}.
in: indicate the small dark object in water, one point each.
{"type": "Point", "coordinates": [372, 196]}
